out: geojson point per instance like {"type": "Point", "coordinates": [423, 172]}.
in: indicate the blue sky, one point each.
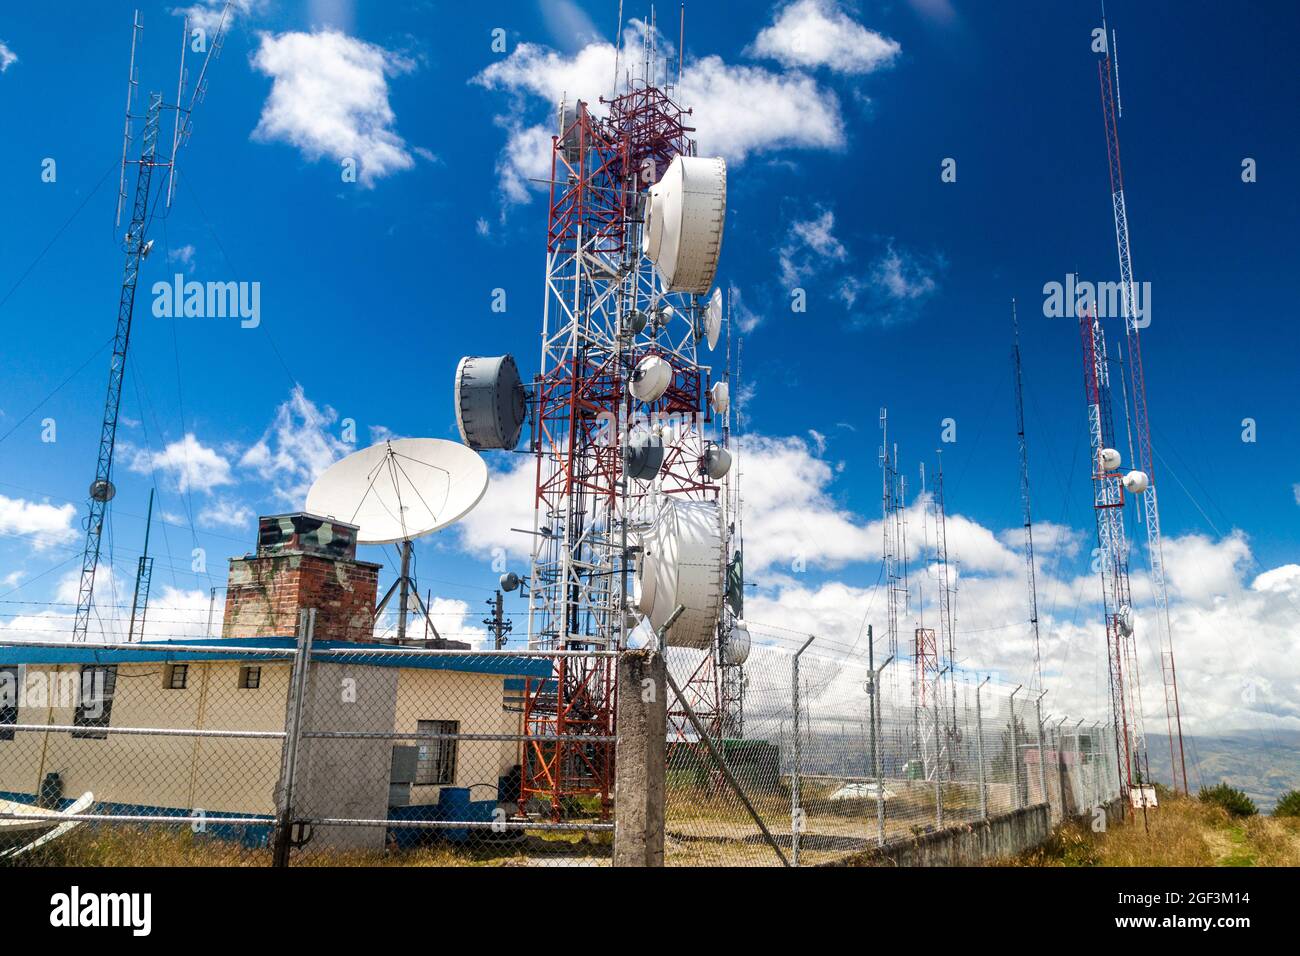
{"type": "Point", "coordinates": [372, 290]}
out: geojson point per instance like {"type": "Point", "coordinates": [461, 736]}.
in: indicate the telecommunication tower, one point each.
{"type": "Point", "coordinates": [1145, 464]}
{"type": "Point", "coordinates": [136, 245]}
{"type": "Point", "coordinates": [1108, 488]}
{"type": "Point", "coordinates": [631, 518]}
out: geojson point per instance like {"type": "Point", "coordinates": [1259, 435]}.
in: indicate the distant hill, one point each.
{"type": "Point", "coordinates": [1263, 763]}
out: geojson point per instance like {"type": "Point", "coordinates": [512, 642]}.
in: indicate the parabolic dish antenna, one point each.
{"type": "Point", "coordinates": [682, 564]}
{"type": "Point", "coordinates": [401, 489]}
{"type": "Point", "coordinates": [490, 401]}
{"type": "Point", "coordinates": [713, 319]}
{"type": "Point", "coordinates": [683, 223]}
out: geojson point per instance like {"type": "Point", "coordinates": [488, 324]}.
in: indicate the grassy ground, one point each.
{"type": "Point", "coordinates": [90, 846]}
{"type": "Point", "coordinates": [1182, 832]}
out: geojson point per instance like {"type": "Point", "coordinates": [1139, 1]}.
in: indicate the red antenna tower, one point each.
{"type": "Point", "coordinates": [1145, 463]}
{"type": "Point", "coordinates": [1112, 553]}
{"type": "Point", "coordinates": [606, 312]}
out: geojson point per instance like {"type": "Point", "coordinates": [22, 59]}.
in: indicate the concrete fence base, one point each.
{"type": "Point", "coordinates": [997, 838]}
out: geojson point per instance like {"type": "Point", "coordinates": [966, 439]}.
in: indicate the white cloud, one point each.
{"type": "Point", "coordinates": [796, 112]}
{"type": "Point", "coordinates": [813, 33]}
{"type": "Point", "coordinates": [507, 504]}
{"type": "Point", "coordinates": [809, 245]}
{"type": "Point", "coordinates": [453, 619]}
{"type": "Point", "coordinates": [7, 57]}
{"type": "Point", "coordinates": [184, 255]}
{"type": "Point", "coordinates": [192, 464]}
{"type": "Point", "coordinates": [47, 525]}
{"type": "Point", "coordinates": [296, 448]}
{"type": "Point", "coordinates": [206, 14]}
{"type": "Point", "coordinates": [1295, 490]}
{"type": "Point", "coordinates": [746, 319]}
{"type": "Point", "coordinates": [897, 285]}
{"type": "Point", "coordinates": [227, 514]}
{"type": "Point", "coordinates": [329, 97]}
{"type": "Point", "coordinates": [1199, 569]}
{"type": "Point", "coordinates": [790, 515]}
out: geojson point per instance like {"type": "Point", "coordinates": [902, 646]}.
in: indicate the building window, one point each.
{"type": "Point", "coordinates": [9, 684]}
{"type": "Point", "coordinates": [436, 761]}
{"type": "Point", "coordinates": [95, 699]}
{"type": "Point", "coordinates": [250, 678]}
{"type": "Point", "coordinates": [178, 676]}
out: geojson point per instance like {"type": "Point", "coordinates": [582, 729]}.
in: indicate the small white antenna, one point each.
{"type": "Point", "coordinates": [132, 81]}
{"type": "Point", "coordinates": [1114, 50]}
{"type": "Point", "coordinates": [618, 46]}
{"type": "Point", "coordinates": [200, 90]}
{"type": "Point", "coordinates": [176, 124]}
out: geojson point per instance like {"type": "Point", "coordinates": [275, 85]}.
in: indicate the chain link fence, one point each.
{"type": "Point", "coordinates": [232, 751]}
{"type": "Point", "coordinates": [825, 774]}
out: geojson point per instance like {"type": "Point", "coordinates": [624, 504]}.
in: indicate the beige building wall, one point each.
{"type": "Point", "coordinates": [346, 778]}
{"type": "Point", "coordinates": [226, 775]}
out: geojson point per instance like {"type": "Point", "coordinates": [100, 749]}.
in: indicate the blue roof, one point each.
{"type": "Point", "coordinates": [229, 649]}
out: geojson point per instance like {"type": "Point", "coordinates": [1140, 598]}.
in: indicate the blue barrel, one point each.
{"type": "Point", "coordinates": [453, 806]}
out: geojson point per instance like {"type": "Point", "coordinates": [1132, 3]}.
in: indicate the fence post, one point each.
{"type": "Point", "coordinates": [1015, 753]}
{"type": "Point", "coordinates": [292, 735]}
{"type": "Point", "coordinates": [639, 765]}
{"type": "Point", "coordinates": [873, 702]}
{"type": "Point", "coordinates": [1042, 756]}
{"type": "Point", "coordinates": [938, 763]}
{"type": "Point", "coordinates": [979, 749]}
{"type": "Point", "coordinates": [796, 771]}
{"type": "Point", "coordinates": [1060, 764]}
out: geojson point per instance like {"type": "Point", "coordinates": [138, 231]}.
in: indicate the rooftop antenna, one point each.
{"type": "Point", "coordinates": [143, 575]}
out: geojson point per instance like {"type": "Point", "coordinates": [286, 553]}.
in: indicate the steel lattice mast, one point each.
{"type": "Point", "coordinates": [1112, 554]}
{"type": "Point", "coordinates": [1037, 677]}
{"type": "Point", "coordinates": [587, 511]}
{"type": "Point", "coordinates": [1149, 508]}
{"type": "Point", "coordinates": [136, 245]}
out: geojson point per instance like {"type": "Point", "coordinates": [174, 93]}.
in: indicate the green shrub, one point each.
{"type": "Point", "coordinates": [1288, 805]}
{"type": "Point", "coordinates": [1230, 798]}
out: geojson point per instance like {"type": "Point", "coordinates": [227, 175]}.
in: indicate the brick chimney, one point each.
{"type": "Point", "coordinates": [302, 561]}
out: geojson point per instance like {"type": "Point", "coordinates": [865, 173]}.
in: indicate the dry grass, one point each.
{"type": "Point", "coordinates": [1182, 832]}
{"type": "Point", "coordinates": [132, 846]}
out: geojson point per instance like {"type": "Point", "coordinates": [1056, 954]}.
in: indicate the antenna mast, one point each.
{"type": "Point", "coordinates": [136, 246]}
{"type": "Point", "coordinates": [1149, 508]}
{"type": "Point", "coordinates": [1036, 679]}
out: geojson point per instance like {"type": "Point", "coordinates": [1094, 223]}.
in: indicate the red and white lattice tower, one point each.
{"type": "Point", "coordinates": [1149, 509]}
{"type": "Point", "coordinates": [1112, 555]}
{"type": "Point", "coordinates": [606, 311]}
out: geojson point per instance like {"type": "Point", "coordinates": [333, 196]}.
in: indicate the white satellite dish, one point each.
{"type": "Point", "coordinates": [736, 649]}
{"type": "Point", "coordinates": [397, 491]}
{"type": "Point", "coordinates": [1136, 482]}
{"type": "Point", "coordinates": [682, 563]}
{"type": "Point", "coordinates": [650, 378]}
{"type": "Point", "coordinates": [720, 394]}
{"type": "Point", "coordinates": [401, 489]}
{"type": "Point", "coordinates": [1125, 620]}
{"type": "Point", "coordinates": [717, 461]}
{"type": "Point", "coordinates": [1110, 459]}
{"type": "Point", "coordinates": [683, 223]}
{"type": "Point", "coordinates": [713, 319]}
